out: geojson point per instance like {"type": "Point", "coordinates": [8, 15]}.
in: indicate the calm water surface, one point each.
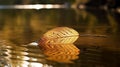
{"type": "Point", "coordinates": [98, 43]}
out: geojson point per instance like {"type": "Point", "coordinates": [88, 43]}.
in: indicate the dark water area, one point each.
{"type": "Point", "coordinates": [98, 43]}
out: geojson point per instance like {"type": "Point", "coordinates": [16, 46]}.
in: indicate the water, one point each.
{"type": "Point", "coordinates": [98, 42]}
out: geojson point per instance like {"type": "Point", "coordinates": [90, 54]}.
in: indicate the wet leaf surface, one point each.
{"type": "Point", "coordinates": [60, 35]}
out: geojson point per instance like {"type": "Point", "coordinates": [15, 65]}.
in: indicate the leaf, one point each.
{"type": "Point", "coordinates": [60, 35]}
{"type": "Point", "coordinates": [58, 45]}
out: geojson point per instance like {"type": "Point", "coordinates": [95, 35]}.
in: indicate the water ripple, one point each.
{"type": "Point", "coordinates": [12, 55]}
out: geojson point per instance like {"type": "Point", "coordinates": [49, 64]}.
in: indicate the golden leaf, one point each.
{"type": "Point", "coordinates": [58, 45]}
{"type": "Point", "coordinates": [60, 35]}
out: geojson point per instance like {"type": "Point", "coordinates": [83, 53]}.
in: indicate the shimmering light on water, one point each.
{"type": "Point", "coordinates": [118, 10]}
{"type": "Point", "coordinates": [36, 64]}
{"type": "Point", "coordinates": [33, 6]}
{"type": "Point", "coordinates": [23, 64]}
{"type": "Point", "coordinates": [28, 6]}
{"type": "Point", "coordinates": [33, 43]}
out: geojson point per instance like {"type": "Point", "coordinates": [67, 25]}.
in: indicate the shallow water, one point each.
{"type": "Point", "coordinates": [98, 42]}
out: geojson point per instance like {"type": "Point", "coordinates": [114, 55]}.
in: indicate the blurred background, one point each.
{"type": "Point", "coordinates": [25, 21]}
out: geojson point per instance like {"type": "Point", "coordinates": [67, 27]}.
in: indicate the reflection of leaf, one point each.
{"type": "Point", "coordinates": [60, 35]}
{"type": "Point", "coordinates": [61, 52]}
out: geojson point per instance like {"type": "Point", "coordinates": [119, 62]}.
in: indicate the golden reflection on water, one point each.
{"type": "Point", "coordinates": [63, 53]}
{"type": "Point", "coordinates": [18, 28]}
